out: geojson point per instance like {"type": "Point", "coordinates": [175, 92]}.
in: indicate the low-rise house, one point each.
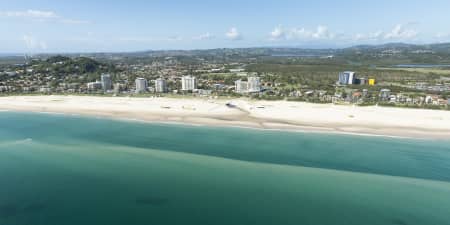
{"type": "Point", "coordinates": [428, 100]}
{"type": "Point", "coordinates": [435, 100]}
{"type": "Point", "coordinates": [92, 86]}
{"type": "Point", "coordinates": [442, 101]}
{"type": "Point", "coordinates": [385, 94]}
{"type": "Point", "coordinates": [393, 99]}
{"type": "Point", "coordinates": [356, 96]}
{"type": "Point", "coordinates": [309, 93]}
{"type": "Point", "coordinates": [4, 88]}
{"type": "Point", "coordinates": [45, 90]}
{"type": "Point", "coordinates": [295, 94]}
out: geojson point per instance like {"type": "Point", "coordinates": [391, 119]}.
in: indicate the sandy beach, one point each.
{"type": "Point", "coordinates": [283, 115]}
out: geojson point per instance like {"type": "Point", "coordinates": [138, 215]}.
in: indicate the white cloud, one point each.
{"type": "Point", "coordinates": [206, 36]}
{"type": "Point", "coordinates": [375, 36]}
{"type": "Point", "coordinates": [30, 14]}
{"type": "Point", "coordinates": [41, 16]}
{"type": "Point", "coordinates": [33, 43]}
{"type": "Point", "coordinates": [442, 35]}
{"type": "Point", "coordinates": [278, 34]}
{"type": "Point", "coordinates": [398, 33]}
{"type": "Point", "coordinates": [29, 41]}
{"type": "Point", "coordinates": [320, 33]}
{"type": "Point", "coordinates": [402, 32]}
{"type": "Point", "coordinates": [233, 34]}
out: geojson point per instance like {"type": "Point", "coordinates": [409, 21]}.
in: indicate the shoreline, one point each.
{"type": "Point", "coordinates": [274, 116]}
{"type": "Point", "coordinates": [298, 129]}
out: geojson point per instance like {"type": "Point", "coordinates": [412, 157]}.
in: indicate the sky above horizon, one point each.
{"type": "Point", "coordinates": [32, 26]}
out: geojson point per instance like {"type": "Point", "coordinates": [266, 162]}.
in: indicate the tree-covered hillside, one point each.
{"type": "Point", "coordinates": [62, 65]}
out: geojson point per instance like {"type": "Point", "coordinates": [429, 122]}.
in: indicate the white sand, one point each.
{"type": "Point", "coordinates": [282, 115]}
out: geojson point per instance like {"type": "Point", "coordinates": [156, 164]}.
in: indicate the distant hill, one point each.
{"type": "Point", "coordinates": [251, 51]}
{"type": "Point", "coordinates": [58, 58]}
{"type": "Point", "coordinates": [384, 54]}
{"type": "Point", "coordinates": [395, 48]}
{"type": "Point", "coordinates": [402, 47]}
{"type": "Point", "coordinates": [67, 65]}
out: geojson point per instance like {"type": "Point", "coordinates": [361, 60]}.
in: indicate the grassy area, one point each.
{"type": "Point", "coordinates": [419, 70]}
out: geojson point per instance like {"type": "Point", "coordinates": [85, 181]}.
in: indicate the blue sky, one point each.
{"type": "Point", "coordinates": [86, 25]}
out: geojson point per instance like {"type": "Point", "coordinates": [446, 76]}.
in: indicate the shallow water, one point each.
{"type": "Point", "coordinates": [61, 170]}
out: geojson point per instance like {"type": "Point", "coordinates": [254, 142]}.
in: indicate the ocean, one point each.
{"type": "Point", "coordinates": [67, 170]}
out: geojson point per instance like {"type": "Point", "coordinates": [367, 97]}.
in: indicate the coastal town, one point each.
{"type": "Point", "coordinates": [290, 112]}
{"type": "Point", "coordinates": [171, 77]}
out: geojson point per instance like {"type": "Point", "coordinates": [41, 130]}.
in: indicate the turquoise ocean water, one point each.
{"type": "Point", "coordinates": [61, 170]}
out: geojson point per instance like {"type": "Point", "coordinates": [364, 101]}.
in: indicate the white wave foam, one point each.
{"type": "Point", "coordinates": [24, 141]}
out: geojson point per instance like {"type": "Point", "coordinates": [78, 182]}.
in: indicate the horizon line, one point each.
{"type": "Point", "coordinates": [206, 49]}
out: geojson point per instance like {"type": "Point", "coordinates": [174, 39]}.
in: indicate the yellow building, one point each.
{"type": "Point", "coordinates": [371, 82]}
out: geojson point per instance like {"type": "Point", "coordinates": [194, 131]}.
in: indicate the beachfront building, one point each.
{"type": "Point", "coordinates": [241, 87]}
{"type": "Point", "coordinates": [106, 82]}
{"type": "Point", "coordinates": [385, 94]}
{"type": "Point", "coordinates": [160, 85]}
{"type": "Point", "coordinates": [362, 81]}
{"type": "Point", "coordinates": [188, 83]}
{"type": "Point", "coordinates": [204, 92]}
{"type": "Point", "coordinates": [45, 90]}
{"type": "Point", "coordinates": [93, 86]}
{"type": "Point", "coordinates": [117, 87]}
{"type": "Point", "coordinates": [346, 78]}
{"type": "Point", "coordinates": [4, 88]}
{"type": "Point", "coordinates": [253, 84]}
{"type": "Point", "coordinates": [141, 85]}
